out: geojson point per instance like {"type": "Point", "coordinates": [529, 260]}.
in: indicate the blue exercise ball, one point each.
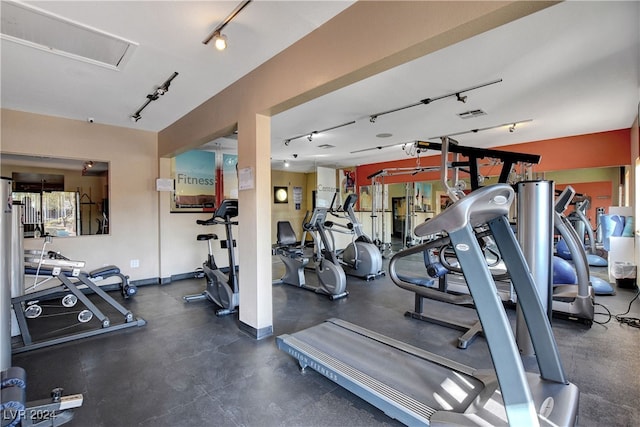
{"type": "Point", "coordinates": [563, 272]}
{"type": "Point", "coordinates": [563, 250]}
{"type": "Point", "coordinates": [596, 261]}
{"type": "Point", "coordinates": [601, 287]}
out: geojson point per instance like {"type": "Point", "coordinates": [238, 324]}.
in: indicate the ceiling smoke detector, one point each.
{"type": "Point", "coordinates": [471, 113]}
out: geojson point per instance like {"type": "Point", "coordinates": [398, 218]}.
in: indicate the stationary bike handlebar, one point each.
{"type": "Point", "coordinates": [228, 209]}
{"type": "Point", "coordinates": [214, 221]}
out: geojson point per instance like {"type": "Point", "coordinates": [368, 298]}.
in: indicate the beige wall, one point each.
{"type": "Point", "coordinates": [180, 251]}
{"type": "Point", "coordinates": [132, 157]}
{"type": "Point", "coordinates": [287, 211]}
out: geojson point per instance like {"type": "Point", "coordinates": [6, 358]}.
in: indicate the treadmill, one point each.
{"type": "Point", "coordinates": [417, 387]}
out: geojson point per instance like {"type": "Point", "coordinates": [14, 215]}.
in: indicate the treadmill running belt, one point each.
{"type": "Point", "coordinates": [431, 384]}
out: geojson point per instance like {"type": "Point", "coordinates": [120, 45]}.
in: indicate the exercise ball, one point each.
{"type": "Point", "coordinates": [562, 249]}
{"type": "Point", "coordinates": [596, 261]}
{"type": "Point", "coordinates": [601, 287]}
{"type": "Point", "coordinates": [563, 272]}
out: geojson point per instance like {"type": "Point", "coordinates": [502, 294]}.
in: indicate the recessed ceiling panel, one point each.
{"type": "Point", "coordinates": [52, 33]}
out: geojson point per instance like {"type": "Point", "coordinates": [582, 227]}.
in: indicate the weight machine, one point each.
{"type": "Point", "coordinates": [452, 288]}
{"type": "Point", "coordinates": [471, 165]}
{"type": "Point", "coordinates": [15, 410]}
{"type": "Point", "coordinates": [68, 299]}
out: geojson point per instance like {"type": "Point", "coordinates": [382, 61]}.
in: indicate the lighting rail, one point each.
{"type": "Point", "coordinates": [161, 90]}
{"type": "Point", "coordinates": [457, 94]}
{"type": "Point", "coordinates": [309, 135]}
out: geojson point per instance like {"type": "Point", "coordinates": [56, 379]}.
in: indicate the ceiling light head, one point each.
{"type": "Point", "coordinates": [460, 98]}
{"type": "Point", "coordinates": [512, 128]}
{"type": "Point", "coordinates": [310, 137]}
{"type": "Point", "coordinates": [373, 119]}
{"type": "Point", "coordinates": [220, 41]}
{"type": "Point", "coordinates": [135, 117]}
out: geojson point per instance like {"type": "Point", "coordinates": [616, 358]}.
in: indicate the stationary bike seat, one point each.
{"type": "Point", "coordinates": [207, 237]}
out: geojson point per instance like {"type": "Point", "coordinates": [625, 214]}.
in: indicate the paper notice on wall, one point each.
{"type": "Point", "coordinates": [297, 197]}
{"type": "Point", "coordinates": [245, 179]}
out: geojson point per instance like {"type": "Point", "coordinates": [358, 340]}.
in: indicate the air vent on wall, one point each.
{"type": "Point", "coordinates": [471, 113]}
{"type": "Point", "coordinates": [43, 30]}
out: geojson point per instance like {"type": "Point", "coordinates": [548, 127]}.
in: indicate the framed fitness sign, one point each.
{"type": "Point", "coordinates": [194, 175]}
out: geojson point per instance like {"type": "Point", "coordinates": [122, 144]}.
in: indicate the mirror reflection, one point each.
{"type": "Point", "coordinates": [59, 197]}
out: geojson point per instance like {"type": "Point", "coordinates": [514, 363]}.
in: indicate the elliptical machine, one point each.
{"type": "Point", "coordinates": [361, 258]}
{"type": "Point", "coordinates": [333, 281]}
{"type": "Point", "coordinates": [222, 289]}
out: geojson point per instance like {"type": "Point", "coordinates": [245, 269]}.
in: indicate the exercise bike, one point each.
{"type": "Point", "coordinates": [221, 289]}
{"type": "Point", "coordinates": [361, 258]}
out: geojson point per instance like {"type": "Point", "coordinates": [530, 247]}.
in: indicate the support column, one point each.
{"type": "Point", "coordinates": [535, 235]}
{"type": "Point", "coordinates": [5, 273]}
{"type": "Point", "coordinates": [254, 230]}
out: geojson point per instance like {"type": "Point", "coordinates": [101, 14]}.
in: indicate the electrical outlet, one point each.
{"type": "Point", "coordinates": [135, 263]}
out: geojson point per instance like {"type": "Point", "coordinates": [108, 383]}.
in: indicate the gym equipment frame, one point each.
{"type": "Point", "coordinates": [414, 386]}
{"type": "Point", "coordinates": [70, 280]}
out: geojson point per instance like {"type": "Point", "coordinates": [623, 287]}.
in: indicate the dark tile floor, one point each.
{"type": "Point", "coordinates": [187, 367]}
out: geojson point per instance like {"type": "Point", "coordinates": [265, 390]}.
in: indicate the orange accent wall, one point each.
{"type": "Point", "coordinates": [594, 150]}
{"type": "Point", "coordinates": [602, 149]}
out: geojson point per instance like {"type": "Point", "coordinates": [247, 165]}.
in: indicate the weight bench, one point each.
{"type": "Point", "coordinates": [126, 289]}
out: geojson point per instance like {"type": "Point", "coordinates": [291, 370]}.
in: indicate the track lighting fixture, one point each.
{"type": "Point", "coordinates": [161, 90]}
{"type": "Point", "coordinates": [405, 146]}
{"type": "Point", "coordinates": [86, 166]}
{"type": "Point", "coordinates": [219, 39]}
{"type": "Point", "coordinates": [457, 94]}
{"type": "Point", "coordinates": [512, 127]}
{"type": "Point", "coordinates": [310, 135]}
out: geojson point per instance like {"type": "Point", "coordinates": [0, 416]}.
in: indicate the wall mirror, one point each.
{"type": "Point", "coordinates": [59, 197]}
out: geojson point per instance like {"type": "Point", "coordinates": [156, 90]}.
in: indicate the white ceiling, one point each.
{"type": "Point", "coordinates": [571, 69]}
